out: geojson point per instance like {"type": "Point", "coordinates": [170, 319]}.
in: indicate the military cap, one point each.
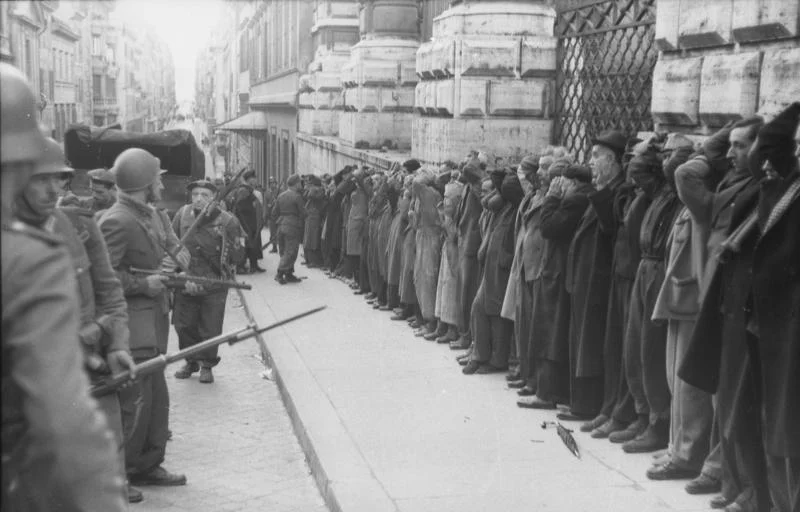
{"type": "Point", "coordinates": [314, 179]}
{"type": "Point", "coordinates": [579, 172]}
{"type": "Point", "coordinates": [202, 184]}
{"type": "Point", "coordinates": [613, 140]}
{"type": "Point", "coordinates": [249, 174]}
{"type": "Point", "coordinates": [293, 180]}
{"type": "Point", "coordinates": [103, 176]}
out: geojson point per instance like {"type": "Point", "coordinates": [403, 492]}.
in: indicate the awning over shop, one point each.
{"type": "Point", "coordinates": [252, 121]}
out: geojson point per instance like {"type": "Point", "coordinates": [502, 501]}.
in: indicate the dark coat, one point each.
{"type": "Point", "coordinates": [776, 319]}
{"type": "Point", "coordinates": [717, 359]}
{"type": "Point", "coordinates": [249, 211]}
{"type": "Point", "coordinates": [315, 205]}
{"type": "Point", "coordinates": [589, 280]}
{"type": "Point", "coordinates": [495, 257]}
{"type": "Point", "coordinates": [291, 213]}
{"type": "Point", "coordinates": [357, 223]}
{"type": "Point", "coordinates": [551, 302]}
{"type": "Point", "coordinates": [469, 240]}
{"type": "Point", "coordinates": [139, 236]}
{"type": "Point", "coordinates": [397, 235]}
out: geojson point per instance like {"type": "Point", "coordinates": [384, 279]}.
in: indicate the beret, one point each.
{"type": "Point", "coordinates": [103, 176]}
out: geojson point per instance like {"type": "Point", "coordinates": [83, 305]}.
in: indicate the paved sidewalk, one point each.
{"type": "Point", "coordinates": [389, 423]}
{"type": "Point", "coordinates": [233, 440]}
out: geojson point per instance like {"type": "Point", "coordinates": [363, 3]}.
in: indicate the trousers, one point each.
{"type": "Point", "coordinates": [617, 399]}
{"type": "Point", "coordinates": [198, 318]}
{"type": "Point", "coordinates": [691, 412]}
{"type": "Point", "coordinates": [146, 406]}
{"type": "Point", "coordinates": [783, 475]}
{"type": "Point", "coordinates": [491, 337]}
{"type": "Point", "coordinates": [522, 331]}
{"type": "Point", "coordinates": [288, 247]}
{"type": "Point", "coordinates": [645, 345]}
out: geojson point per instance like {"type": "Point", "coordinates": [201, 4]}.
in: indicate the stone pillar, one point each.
{"type": "Point", "coordinates": [487, 81]}
{"type": "Point", "coordinates": [722, 60]}
{"type": "Point", "coordinates": [379, 78]}
{"type": "Point", "coordinates": [334, 32]}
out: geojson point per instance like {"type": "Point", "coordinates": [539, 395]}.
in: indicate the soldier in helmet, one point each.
{"type": "Point", "coordinates": [57, 451]}
{"type": "Point", "coordinates": [104, 317]}
{"type": "Point", "coordinates": [138, 235]}
{"type": "Point", "coordinates": [216, 246]}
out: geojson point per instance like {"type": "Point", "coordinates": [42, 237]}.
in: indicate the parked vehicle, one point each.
{"type": "Point", "coordinates": [88, 148]}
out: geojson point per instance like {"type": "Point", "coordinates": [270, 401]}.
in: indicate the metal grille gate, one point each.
{"type": "Point", "coordinates": [606, 54]}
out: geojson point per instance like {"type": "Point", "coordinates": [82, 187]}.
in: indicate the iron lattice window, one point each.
{"type": "Point", "coordinates": [606, 55]}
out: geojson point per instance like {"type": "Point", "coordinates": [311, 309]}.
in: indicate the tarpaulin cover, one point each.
{"type": "Point", "coordinates": [89, 148]}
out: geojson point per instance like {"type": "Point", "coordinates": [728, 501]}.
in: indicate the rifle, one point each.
{"type": "Point", "coordinates": [213, 204]}
{"type": "Point", "coordinates": [179, 280]}
{"type": "Point", "coordinates": [159, 362]}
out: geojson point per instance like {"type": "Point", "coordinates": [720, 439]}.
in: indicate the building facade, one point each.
{"type": "Point", "coordinates": [435, 79]}
{"type": "Point", "coordinates": [74, 54]}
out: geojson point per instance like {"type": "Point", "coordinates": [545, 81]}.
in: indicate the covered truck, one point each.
{"type": "Point", "coordinates": [88, 148]}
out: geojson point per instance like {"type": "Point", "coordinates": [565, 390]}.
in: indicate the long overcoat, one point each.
{"type": "Point", "coordinates": [495, 256]}
{"type": "Point", "coordinates": [357, 222]}
{"type": "Point", "coordinates": [469, 240]}
{"type": "Point", "coordinates": [551, 302]}
{"type": "Point", "coordinates": [315, 205]}
{"type": "Point", "coordinates": [429, 247]}
{"type": "Point", "coordinates": [397, 235]}
{"type": "Point", "coordinates": [588, 281]}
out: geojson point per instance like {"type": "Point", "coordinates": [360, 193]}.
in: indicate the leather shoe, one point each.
{"type": "Point", "coordinates": [158, 476]}
{"type": "Point", "coordinates": [384, 308]}
{"type": "Point", "coordinates": [460, 344]}
{"type": "Point", "coordinates": [630, 433]}
{"type": "Point", "coordinates": [720, 501]}
{"type": "Point", "coordinates": [571, 416]}
{"type": "Point", "coordinates": [431, 336]}
{"type": "Point", "coordinates": [655, 437]}
{"type": "Point", "coordinates": [670, 471]}
{"type": "Point", "coordinates": [291, 278]}
{"type": "Point", "coordinates": [206, 377]}
{"type": "Point", "coordinates": [187, 370]}
{"type": "Point", "coordinates": [471, 367]}
{"type": "Point", "coordinates": [526, 391]}
{"type": "Point", "coordinates": [449, 337]}
{"type": "Point", "coordinates": [358, 292]}
{"type": "Point", "coordinates": [704, 484]}
{"type": "Point", "coordinates": [516, 384]}
{"type": "Point", "coordinates": [370, 296]}
{"type": "Point", "coordinates": [486, 369]}
{"type": "Point", "coordinates": [258, 270]}
{"type": "Point", "coordinates": [607, 428]}
{"type": "Point", "coordinates": [535, 403]}
{"type": "Point", "coordinates": [280, 279]}
{"type": "Point", "coordinates": [134, 494]}
{"type": "Point", "coordinates": [399, 316]}
{"type": "Point", "coordinates": [595, 423]}
{"type": "Point", "coordinates": [515, 375]}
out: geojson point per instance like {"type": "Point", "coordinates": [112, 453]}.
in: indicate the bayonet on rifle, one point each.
{"type": "Point", "coordinates": [158, 363]}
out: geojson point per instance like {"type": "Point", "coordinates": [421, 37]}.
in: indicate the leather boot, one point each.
{"type": "Point", "coordinates": [187, 370]}
{"type": "Point", "coordinates": [630, 433]}
{"type": "Point", "coordinates": [134, 494]}
{"type": "Point", "coordinates": [655, 437]}
{"type": "Point", "coordinates": [206, 377]}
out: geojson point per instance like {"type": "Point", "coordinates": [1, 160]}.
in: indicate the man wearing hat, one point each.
{"type": "Point", "coordinates": [104, 316]}
{"type": "Point", "coordinates": [104, 190]}
{"type": "Point", "coordinates": [248, 209]}
{"type": "Point", "coordinates": [57, 451]}
{"type": "Point", "coordinates": [291, 213]}
{"type": "Point", "coordinates": [216, 246]}
{"type": "Point", "coordinates": [315, 208]}
{"type": "Point", "coordinates": [138, 235]}
{"type": "Point", "coordinates": [589, 278]}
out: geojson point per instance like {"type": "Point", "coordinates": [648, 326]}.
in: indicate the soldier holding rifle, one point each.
{"type": "Point", "coordinates": [215, 245]}
{"type": "Point", "coordinates": [138, 235]}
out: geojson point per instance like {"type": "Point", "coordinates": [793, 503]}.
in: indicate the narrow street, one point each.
{"type": "Point", "coordinates": [233, 440]}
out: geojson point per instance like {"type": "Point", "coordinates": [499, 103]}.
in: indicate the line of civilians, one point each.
{"type": "Point", "coordinates": [653, 295]}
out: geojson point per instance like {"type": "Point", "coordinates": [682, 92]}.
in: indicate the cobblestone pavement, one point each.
{"type": "Point", "coordinates": [233, 440]}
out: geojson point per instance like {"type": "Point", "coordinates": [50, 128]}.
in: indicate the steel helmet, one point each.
{"type": "Point", "coordinates": [136, 169]}
{"type": "Point", "coordinates": [53, 160]}
{"type": "Point", "coordinates": [21, 138]}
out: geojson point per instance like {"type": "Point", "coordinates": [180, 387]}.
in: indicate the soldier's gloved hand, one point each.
{"type": "Point", "coordinates": [155, 285]}
{"type": "Point", "coordinates": [90, 334]}
{"type": "Point", "coordinates": [119, 361]}
{"type": "Point", "coordinates": [193, 288]}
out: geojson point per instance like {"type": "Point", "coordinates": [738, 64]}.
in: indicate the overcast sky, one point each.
{"type": "Point", "coordinates": [185, 25]}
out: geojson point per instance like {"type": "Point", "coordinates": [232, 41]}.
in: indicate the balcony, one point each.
{"type": "Point", "coordinates": [99, 63]}
{"type": "Point", "coordinates": [106, 104]}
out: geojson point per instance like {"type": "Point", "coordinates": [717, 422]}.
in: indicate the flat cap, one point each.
{"type": "Point", "coordinates": [103, 176]}
{"type": "Point", "coordinates": [613, 140]}
{"type": "Point", "coordinates": [209, 185]}
{"type": "Point", "coordinates": [529, 164]}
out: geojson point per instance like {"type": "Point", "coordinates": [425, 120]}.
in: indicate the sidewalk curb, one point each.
{"type": "Point", "coordinates": [343, 477]}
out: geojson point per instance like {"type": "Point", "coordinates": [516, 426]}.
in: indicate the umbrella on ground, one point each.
{"type": "Point", "coordinates": [566, 436]}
